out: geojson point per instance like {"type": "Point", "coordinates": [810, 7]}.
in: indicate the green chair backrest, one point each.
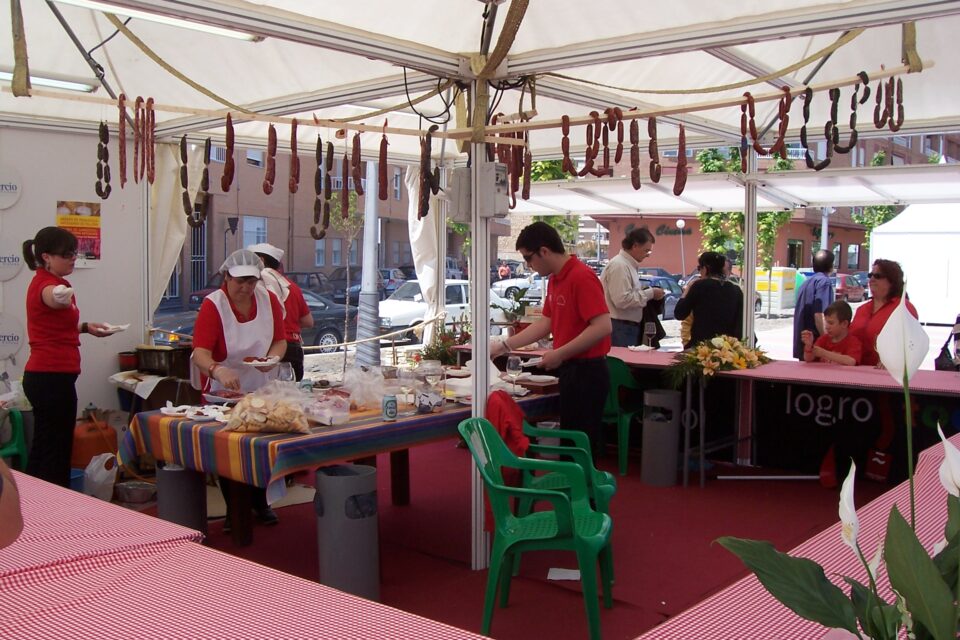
{"type": "Point", "coordinates": [17, 445]}
{"type": "Point", "coordinates": [620, 376]}
{"type": "Point", "coordinates": [491, 454]}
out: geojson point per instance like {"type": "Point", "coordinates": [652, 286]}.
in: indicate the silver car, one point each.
{"type": "Point", "coordinates": [534, 284]}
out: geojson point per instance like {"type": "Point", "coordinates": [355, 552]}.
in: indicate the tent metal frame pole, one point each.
{"type": "Point", "coordinates": [750, 228]}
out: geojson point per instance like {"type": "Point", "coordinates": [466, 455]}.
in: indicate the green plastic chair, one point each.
{"type": "Point", "coordinates": [16, 446]}
{"type": "Point", "coordinates": [572, 524]}
{"type": "Point", "coordinates": [613, 410]}
{"type": "Point", "coordinates": [601, 485]}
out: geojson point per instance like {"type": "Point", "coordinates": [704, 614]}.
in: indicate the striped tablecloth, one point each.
{"type": "Point", "coordinates": [62, 526]}
{"type": "Point", "coordinates": [191, 592]}
{"type": "Point", "coordinates": [745, 610]}
{"type": "Point", "coordinates": [262, 460]}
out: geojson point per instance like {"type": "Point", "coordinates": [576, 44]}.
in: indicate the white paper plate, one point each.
{"type": "Point", "coordinates": [213, 398]}
{"type": "Point", "coordinates": [115, 328]}
{"type": "Point", "coordinates": [267, 362]}
{"type": "Point", "coordinates": [174, 411]}
{"type": "Point", "coordinates": [640, 347]}
{"type": "Point", "coordinates": [532, 362]}
{"type": "Point", "coordinates": [537, 378]}
{"type": "Point", "coordinates": [459, 373]}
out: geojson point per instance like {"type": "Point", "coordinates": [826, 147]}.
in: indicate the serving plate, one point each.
{"type": "Point", "coordinates": [263, 362]}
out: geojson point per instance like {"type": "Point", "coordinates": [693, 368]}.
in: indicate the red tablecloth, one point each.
{"type": "Point", "coordinates": [746, 611]}
{"type": "Point", "coordinates": [189, 591]}
{"type": "Point", "coordinates": [62, 526]}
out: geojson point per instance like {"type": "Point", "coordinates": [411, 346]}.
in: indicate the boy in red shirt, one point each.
{"type": "Point", "coordinates": [836, 345]}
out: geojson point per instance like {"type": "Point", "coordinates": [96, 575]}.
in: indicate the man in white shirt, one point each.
{"type": "Point", "coordinates": [621, 288]}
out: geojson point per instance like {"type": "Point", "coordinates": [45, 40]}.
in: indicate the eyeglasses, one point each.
{"type": "Point", "coordinates": [529, 258]}
{"type": "Point", "coordinates": [875, 276]}
{"type": "Point", "coordinates": [67, 255]}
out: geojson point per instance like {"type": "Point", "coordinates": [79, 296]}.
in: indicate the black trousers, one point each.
{"type": "Point", "coordinates": [294, 356]}
{"type": "Point", "coordinates": [54, 400]}
{"type": "Point", "coordinates": [584, 385]}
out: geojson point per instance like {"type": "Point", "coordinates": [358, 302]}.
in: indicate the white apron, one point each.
{"type": "Point", "coordinates": [252, 338]}
{"type": "Point", "coordinates": [277, 284]}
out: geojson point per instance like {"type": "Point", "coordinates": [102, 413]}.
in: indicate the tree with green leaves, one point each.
{"type": "Point", "coordinates": [350, 227]}
{"type": "Point", "coordinates": [874, 216]}
{"type": "Point", "coordinates": [720, 231]}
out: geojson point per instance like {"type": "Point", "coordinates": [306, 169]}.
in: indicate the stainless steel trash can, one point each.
{"type": "Point", "coordinates": [347, 536]}
{"type": "Point", "coordinates": [182, 496]}
{"type": "Point", "coordinates": [661, 437]}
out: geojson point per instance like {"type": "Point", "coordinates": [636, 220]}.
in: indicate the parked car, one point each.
{"type": "Point", "coordinates": [863, 277]}
{"type": "Point", "coordinates": [195, 298]}
{"type": "Point", "coordinates": [670, 288]}
{"type": "Point", "coordinates": [327, 324]}
{"type": "Point", "coordinates": [406, 306]}
{"type": "Point", "coordinates": [534, 284]}
{"type": "Point", "coordinates": [848, 288]}
{"type": "Point", "coordinates": [452, 269]}
{"type": "Point", "coordinates": [338, 284]}
{"type": "Point", "coordinates": [392, 278]}
{"type": "Point", "coordinates": [657, 271]}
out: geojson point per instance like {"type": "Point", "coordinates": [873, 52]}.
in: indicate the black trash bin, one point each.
{"type": "Point", "coordinates": [182, 496]}
{"type": "Point", "coordinates": [347, 536]}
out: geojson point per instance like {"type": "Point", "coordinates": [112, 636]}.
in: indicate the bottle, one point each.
{"type": "Point", "coordinates": [389, 407]}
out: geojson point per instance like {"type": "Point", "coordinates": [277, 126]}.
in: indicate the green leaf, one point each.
{"type": "Point", "coordinates": [915, 577]}
{"type": "Point", "coordinates": [877, 618]}
{"type": "Point", "coordinates": [798, 583]}
{"type": "Point", "coordinates": [953, 517]}
{"type": "Point", "coordinates": [947, 560]}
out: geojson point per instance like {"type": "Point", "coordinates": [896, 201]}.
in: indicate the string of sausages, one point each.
{"type": "Point", "coordinates": [102, 186]}
{"type": "Point", "coordinates": [382, 166]}
{"type": "Point", "coordinates": [122, 138]}
{"type": "Point", "coordinates": [322, 206]}
{"type": "Point", "coordinates": [271, 173]}
{"type": "Point", "coordinates": [355, 165]}
{"type": "Point", "coordinates": [294, 182]}
{"type": "Point", "coordinates": [229, 165]}
{"type": "Point", "coordinates": [144, 128]}
{"type": "Point", "coordinates": [429, 182]}
{"type": "Point", "coordinates": [889, 94]}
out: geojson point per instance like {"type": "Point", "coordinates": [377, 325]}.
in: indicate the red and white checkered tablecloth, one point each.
{"type": "Point", "coordinates": [745, 610]}
{"type": "Point", "coordinates": [189, 591]}
{"type": "Point", "coordinates": [61, 526]}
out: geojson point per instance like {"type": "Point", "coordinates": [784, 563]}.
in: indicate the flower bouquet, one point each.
{"type": "Point", "coordinates": [722, 353]}
{"type": "Point", "coordinates": [925, 589]}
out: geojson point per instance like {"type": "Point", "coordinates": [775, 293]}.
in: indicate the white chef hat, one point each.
{"type": "Point", "coordinates": [242, 263]}
{"type": "Point", "coordinates": [267, 249]}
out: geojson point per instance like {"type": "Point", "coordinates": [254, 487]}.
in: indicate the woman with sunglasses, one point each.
{"type": "Point", "coordinates": [239, 320]}
{"type": "Point", "coordinates": [53, 329]}
{"type": "Point", "coordinates": [886, 287]}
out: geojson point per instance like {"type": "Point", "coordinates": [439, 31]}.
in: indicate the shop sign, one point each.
{"type": "Point", "coordinates": [11, 336]}
{"type": "Point", "coordinates": [11, 186]}
{"type": "Point", "coordinates": [10, 259]}
{"type": "Point", "coordinates": [666, 230]}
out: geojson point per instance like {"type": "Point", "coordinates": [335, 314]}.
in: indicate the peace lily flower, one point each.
{"type": "Point", "coordinates": [950, 467]}
{"type": "Point", "coordinates": [902, 343]}
{"type": "Point", "coordinates": [848, 510]}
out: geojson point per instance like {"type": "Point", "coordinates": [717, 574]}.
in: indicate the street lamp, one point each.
{"type": "Point", "coordinates": [683, 263]}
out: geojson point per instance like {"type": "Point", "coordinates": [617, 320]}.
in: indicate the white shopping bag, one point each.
{"type": "Point", "coordinates": [99, 476]}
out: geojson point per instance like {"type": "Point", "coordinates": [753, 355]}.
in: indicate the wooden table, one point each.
{"type": "Point", "coordinates": [264, 460]}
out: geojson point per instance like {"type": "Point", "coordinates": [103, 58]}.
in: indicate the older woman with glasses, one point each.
{"type": "Point", "coordinates": [53, 329]}
{"type": "Point", "coordinates": [239, 320]}
{"type": "Point", "coordinates": [886, 287]}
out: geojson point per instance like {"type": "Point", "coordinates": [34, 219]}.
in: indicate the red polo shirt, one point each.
{"type": "Point", "coordinates": [574, 297]}
{"type": "Point", "coordinates": [849, 346]}
{"type": "Point", "coordinates": [208, 330]}
{"type": "Point", "coordinates": [296, 308]}
{"type": "Point", "coordinates": [867, 325]}
{"type": "Point", "coordinates": [53, 333]}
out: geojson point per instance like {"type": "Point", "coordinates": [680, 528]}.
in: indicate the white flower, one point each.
{"type": "Point", "coordinates": [874, 564]}
{"type": "Point", "coordinates": [717, 342]}
{"type": "Point", "coordinates": [902, 343]}
{"type": "Point", "coordinates": [848, 511]}
{"type": "Point", "coordinates": [950, 467]}
{"type": "Point", "coordinates": [939, 546]}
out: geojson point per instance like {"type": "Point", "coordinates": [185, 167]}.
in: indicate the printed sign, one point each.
{"type": "Point", "coordinates": [11, 336]}
{"type": "Point", "coordinates": [82, 219]}
{"type": "Point", "coordinates": [11, 186]}
{"type": "Point", "coordinates": [11, 260]}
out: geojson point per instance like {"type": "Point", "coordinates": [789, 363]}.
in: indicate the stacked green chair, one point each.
{"type": "Point", "coordinates": [572, 524]}
{"type": "Point", "coordinates": [17, 445]}
{"type": "Point", "coordinates": [614, 411]}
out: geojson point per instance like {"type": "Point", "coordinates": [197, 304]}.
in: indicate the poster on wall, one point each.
{"type": "Point", "coordinates": [82, 219]}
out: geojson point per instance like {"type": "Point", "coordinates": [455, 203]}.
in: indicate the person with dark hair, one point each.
{"type": "Point", "coordinates": [716, 303]}
{"type": "Point", "coordinates": [575, 312]}
{"type": "Point", "coordinates": [814, 295]}
{"type": "Point", "coordinates": [622, 291]}
{"type": "Point", "coordinates": [836, 344]}
{"type": "Point", "coordinates": [886, 287]}
{"type": "Point", "coordinates": [53, 330]}
{"type": "Point", "coordinates": [296, 313]}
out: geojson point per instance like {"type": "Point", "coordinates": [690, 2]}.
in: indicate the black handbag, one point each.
{"type": "Point", "coordinates": [944, 361]}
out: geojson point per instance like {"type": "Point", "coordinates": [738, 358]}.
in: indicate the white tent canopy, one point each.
{"type": "Point", "coordinates": [924, 240]}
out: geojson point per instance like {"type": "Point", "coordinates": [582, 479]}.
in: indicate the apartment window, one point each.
{"type": "Point", "coordinates": [396, 184]}
{"type": "Point", "coordinates": [336, 246]}
{"type": "Point", "coordinates": [320, 253]}
{"type": "Point", "coordinates": [407, 254]}
{"type": "Point", "coordinates": [795, 253]}
{"type": "Point", "coordinates": [255, 157]}
{"type": "Point", "coordinates": [218, 154]}
{"type": "Point", "coordinates": [837, 253]}
{"type": "Point", "coordinates": [354, 253]}
{"type": "Point", "coordinates": [254, 230]}
{"type": "Point", "coordinates": [395, 252]}
{"type": "Point", "coordinates": [853, 256]}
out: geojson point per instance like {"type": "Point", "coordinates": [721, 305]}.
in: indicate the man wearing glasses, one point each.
{"type": "Point", "coordinates": [621, 287]}
{"type": "Point", "coordinates": [575, 312]}
{"type": "Point", "coordinates": [815, 295]}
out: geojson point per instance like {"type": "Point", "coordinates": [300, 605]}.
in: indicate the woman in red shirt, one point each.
{"type": "Point", "coordinates": [53, 330]}
{"type": "Point", "coordinates": [886, 287]}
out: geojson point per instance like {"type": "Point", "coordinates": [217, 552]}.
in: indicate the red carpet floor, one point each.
{"type": "Point", "coordinates": [663, 550]}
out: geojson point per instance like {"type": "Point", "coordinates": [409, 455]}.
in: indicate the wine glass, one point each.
{"type": "Point", "coordinates": [432, 371]}
{"type": "Point", "coordinates": [649, 331]}
{"type": "Point", "coordinates": [514, 369]}
{"type": "Point", "coordinates": [285, 372]}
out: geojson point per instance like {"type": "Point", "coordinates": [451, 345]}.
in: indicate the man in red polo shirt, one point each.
{"type": "Point", "coordinates": [575, 311]}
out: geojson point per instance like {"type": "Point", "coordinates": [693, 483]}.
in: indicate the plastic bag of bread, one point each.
{"type": "Point", "coordinates": [275, 408]}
